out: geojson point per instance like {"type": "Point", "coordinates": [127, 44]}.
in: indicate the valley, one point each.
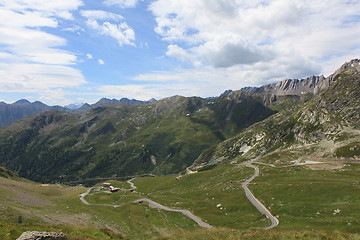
{"type": "Point", "coordinates": [249, 164]}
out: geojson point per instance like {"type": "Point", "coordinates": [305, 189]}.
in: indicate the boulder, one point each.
{"type": "Point", "coordinates": [36, 235]}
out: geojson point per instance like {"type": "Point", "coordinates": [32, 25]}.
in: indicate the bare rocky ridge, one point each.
{"type": "Point", "coordinates": [313, 84]}
{"type": "Point", "coordinates": [290, 86]}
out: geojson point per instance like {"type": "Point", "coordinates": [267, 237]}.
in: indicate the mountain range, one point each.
{"type": "Point", "coordinates": [191, 167]}
{"type": "Point", "coordinates": [315, 115]}
{"type": "Point", "coordinates": [12, 112]}
{"type": "Point", "coordinates": [22, 108]}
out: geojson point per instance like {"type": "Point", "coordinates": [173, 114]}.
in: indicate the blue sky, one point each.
{"type": "Point", "coordinates": [74, 51]}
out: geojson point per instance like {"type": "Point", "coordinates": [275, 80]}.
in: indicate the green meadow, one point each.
{"type": "Point", "coordinates": [310, 204]}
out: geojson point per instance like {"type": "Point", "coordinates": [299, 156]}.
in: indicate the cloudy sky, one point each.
{"type": "Point", "coordinates": [73, 51]}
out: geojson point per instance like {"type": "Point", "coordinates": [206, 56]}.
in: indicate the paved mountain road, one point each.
{"type": "Point", "coordinates": [82, 198]}
{"type": "Point", "coordinates": [255, 201]}
{"type": "Point", "coordinates": [259, 206]}
{"type": "Point", "coordinates": [153, 204]}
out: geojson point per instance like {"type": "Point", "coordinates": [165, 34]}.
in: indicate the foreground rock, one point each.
{"type": "Point", "coordinates": [35, 235]}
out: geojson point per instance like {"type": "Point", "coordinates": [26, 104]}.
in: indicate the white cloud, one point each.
{"type": "Point", "coordinates": [58, 8]}
{"type": "Point", "coordinates": [31, 59]}
{"type": "Point", "coordinates": [121, 3]}
{"type": "Point", "coordinates": [21, 34]}
{"type": "Point", "coordinates": [182, 54]}
{"type": "Point", "coordinates": [204, 82]}
{"type": "Point", "coordinates": [101, 62]}
{"type": "Point", "coordinates": [37, 77]}
{"type": "Point", "coordinates": [140, 92]}
{"type": "Point", "coordinates": [74, 28]}
{"type": "Point", "coordinates": [118, 30]}
{"type": "Point", "coordinates": [89, 56]}
{"type": "Point", "coordinates": [295, 36]}
{"type": "Point", "coordinates": [101, 15]}
{"type": "Point", "coordinates": [227, 52]}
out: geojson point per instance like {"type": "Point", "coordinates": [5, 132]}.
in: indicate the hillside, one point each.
{"type": "Point", "coordinates": [327, 127]}
{"type": "Point", "coordinates": [121, 139]}
{"type": "Point", "coordinates": [167, 136]}
{"type": "Point", "coordinates": [331, 208]}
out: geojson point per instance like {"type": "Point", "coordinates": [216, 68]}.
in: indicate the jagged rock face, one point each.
{"type": "Point", "coordinates": [290, 86]}
{"type": "Point", "coordinates": [35, 235]}
{"type": "Point", "coordinates": [313, 84]}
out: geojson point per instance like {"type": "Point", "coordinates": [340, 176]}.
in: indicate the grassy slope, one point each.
{"type": "Point", "coordinates": [120, 140]}
{"type": "Point", "coordinates": [306, 199]}
{"type": "Point", "coordinates": [299, 193]}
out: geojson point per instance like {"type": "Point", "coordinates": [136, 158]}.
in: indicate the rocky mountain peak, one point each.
{"type": "Point", "coordinates": [355, 63]}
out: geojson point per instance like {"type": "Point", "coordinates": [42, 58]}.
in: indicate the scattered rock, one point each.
{"type": "Point", "coordinates": [36, 235]}
{"type": "Point", "coordinates": [337, 211]}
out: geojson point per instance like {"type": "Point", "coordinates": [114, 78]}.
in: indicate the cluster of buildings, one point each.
{"type": "Point", "coordinates": [112, 189]}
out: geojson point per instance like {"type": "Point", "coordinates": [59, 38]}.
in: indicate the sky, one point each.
{"type": "Point", "coordinates": [75, 51]}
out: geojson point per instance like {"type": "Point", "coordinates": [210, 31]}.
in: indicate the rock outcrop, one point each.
{"type": "Point", "coordinates": [36, 235]}
{"type": "Point", "coordinates": [289, 86]}
{"type": "Point", "coordinates": [313, 84]}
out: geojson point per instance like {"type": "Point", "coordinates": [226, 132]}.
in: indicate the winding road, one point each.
{"type": "Point", "coordinates": [82, 198]}
{"type": "Point", "coordinates": [153, 204]}
{"type": "Point", "coordinates": [132, 185]}
{"type": "Point", "coordinates": [260, 207]}
{"type": "Point", "coordinates": [187, 213]}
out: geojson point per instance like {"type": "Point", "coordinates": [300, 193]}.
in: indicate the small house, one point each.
{"type": "Point", "coordinates": [112, 189]}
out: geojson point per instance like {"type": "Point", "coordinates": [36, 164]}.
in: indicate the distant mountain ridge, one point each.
{"type": "Point", "coordinates": [107, 101]}
{"type": "Point", "coordinates": [22, 108]}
